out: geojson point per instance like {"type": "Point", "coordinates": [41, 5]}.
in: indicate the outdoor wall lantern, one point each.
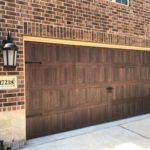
{"type": "Point", "coordinates": [9, 52]}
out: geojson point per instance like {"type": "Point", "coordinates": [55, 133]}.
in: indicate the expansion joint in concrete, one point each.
{"type": "Point", "coordinates": [134, 132]}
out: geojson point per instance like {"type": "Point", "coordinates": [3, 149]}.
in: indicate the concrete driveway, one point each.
{"type": "Point", "coordinates": [127, 134]}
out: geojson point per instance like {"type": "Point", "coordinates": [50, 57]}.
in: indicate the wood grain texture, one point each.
{"type": "Point", "coordinates": [68, 90]}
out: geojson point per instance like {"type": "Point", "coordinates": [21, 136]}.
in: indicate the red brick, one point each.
{"type": "Point", "coordinates": [9, 104]}
{"type": "Point", "coordinates": [95, 21]}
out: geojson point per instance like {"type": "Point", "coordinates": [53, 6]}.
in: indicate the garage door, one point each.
{"type": "Point", "coordinates": [69, 87]}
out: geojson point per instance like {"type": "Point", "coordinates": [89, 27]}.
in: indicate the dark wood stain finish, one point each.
{"type": "Point", "coordinates": [74, 86]}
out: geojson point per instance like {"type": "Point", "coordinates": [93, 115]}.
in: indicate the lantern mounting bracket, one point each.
{"type": "Point", "coordinates": [9, 39]}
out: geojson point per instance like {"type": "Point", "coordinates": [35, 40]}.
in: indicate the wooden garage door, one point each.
{"type": "Point", "coordinates": [69, 87]}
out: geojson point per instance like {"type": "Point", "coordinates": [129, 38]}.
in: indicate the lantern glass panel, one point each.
{"type": "Point", "coordinates": [15, 57]}
{"type": "Point", "coordinates": [10, 57]}
{"type": "Point", "coordinates": [5, 57]}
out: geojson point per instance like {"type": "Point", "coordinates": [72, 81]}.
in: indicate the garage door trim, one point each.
{"type": "Point", "coordinates": [83, 43]}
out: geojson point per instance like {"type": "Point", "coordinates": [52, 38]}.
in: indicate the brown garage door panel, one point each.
{"type": "Point", "coordinates": [66, 86]}
{"type": "Point", "coordinates": [58, 122]}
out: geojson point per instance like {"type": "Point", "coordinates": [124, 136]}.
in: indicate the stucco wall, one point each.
{"type": "Point", "coordinates": [12, 128]}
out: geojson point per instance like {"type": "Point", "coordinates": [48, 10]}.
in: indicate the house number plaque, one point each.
{"type": "Point", "coordinates": [8, 82]}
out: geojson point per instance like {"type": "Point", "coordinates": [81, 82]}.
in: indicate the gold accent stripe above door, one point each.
{"type": "Point", "coordinates": [82, 43]}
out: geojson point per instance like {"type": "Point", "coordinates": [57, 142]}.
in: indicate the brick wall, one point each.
{"type": "Point", "coordinates": [85, 20]}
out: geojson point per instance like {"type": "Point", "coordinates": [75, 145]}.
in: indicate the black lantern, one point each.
{"type": "Point", "coordinates": [9, 50]}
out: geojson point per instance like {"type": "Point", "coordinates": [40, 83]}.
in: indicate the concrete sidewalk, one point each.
{"type": "Point", "coordinates": [127, 134]}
